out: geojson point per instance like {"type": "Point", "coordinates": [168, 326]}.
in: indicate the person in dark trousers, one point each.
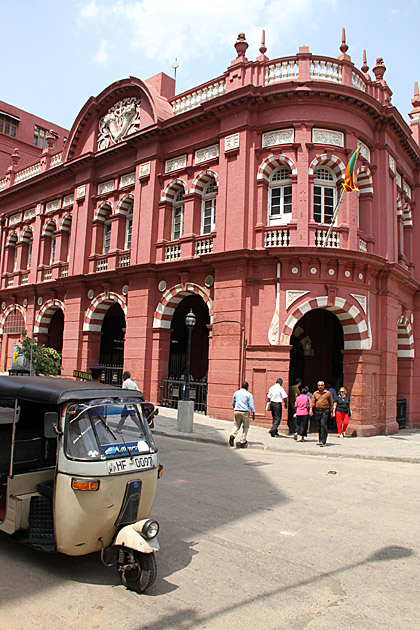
{"type": "Point", "coordinates": [276, 396]}
{"type": "Point", "coordinates": [321, 406]}
{"type": "Point", "coordinates": [302, 403]}
{"type": "Point", "coordinates": [294, 393]}
{"type": "Point", "coordinates": [243, 405]}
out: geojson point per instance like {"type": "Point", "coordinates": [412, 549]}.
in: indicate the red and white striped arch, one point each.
{"type": "Point", "coordinates": [102, 211]}
{"type": "Point", "coordinates": [50, 228]}
{"type": "Point", "coordinates": [172, 188]}
{"type": "Point", "coordinates": [125, 205]}
{"type": "Point", "coordinates": [172, 297]}
{"type": "Point", "coordinates": [202, 179]}
{"type": "Point", "coordinates": [271, 163]}
{"type": "Point", "coordinates": [45, 314]}
{"type": "Point", "coordinates": [12, 238]}
{"type": "Point", "coordinates": [332, 162]}
{"type": "Point", "coordinates": [10, 309]}
{"type": "Point", "coordinates": [364, 180]}
{"type": "Point", "coordinates": [98, 307]}
{"type": "Point", "coordinates": [353, 321]}
{"type": "Point", "coordinates": [406, 215]}
{"type": "Point", "coordinates": [405, 339]}
{"type": "Point", "coordinates": [27, 235]}
{"type": "Point", "coordinates": [66, 223]}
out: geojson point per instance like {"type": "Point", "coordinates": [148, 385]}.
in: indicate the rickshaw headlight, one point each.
{"type": "Point", "coordinates": [150, 529]}
{"type": "Point", "coordinates": [84, 484]}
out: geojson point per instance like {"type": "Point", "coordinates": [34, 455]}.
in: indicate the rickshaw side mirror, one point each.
{"type": "Point", "coordinates": [51, 424]}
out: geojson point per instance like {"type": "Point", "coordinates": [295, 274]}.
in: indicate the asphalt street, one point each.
{"type": "Point", "coordinates": [248, 538]}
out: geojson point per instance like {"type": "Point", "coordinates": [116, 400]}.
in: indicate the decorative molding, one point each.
{"type": "Point", "coordinates": [232, 142]}
{"type": "Point", "coordinates": [364, 150]}
{"type": "Point", "coordinates": [399, 180]}
{"type": "Point", "coordinates": [14, 219]}
{"type": "Point", "coordinates": [328, 136]}
{"type": "Point", "coordinates": [81, 192]}
{"type": "Point", "coordinates": [128, 180]}
{"type": "Point", "coordinates": [68, 200]}
{"type": "Point", "coordinates": [175, 164]}
{"type": "Point", "coordinates": [106, 187]}
{"type": "Point", "coordinates": [280, 136]}
{"type": "Point", "coordinates": [206, 154]}
{"type": "Point", "coordinates": [407, 190]}
{"type": "Point", "coordinates": [121, 120]}
{"type": "Point", "coordinates": [144, 169]}
{"type": "Point", "coordinates": [29, 214]}
{"type": "Point", "coordinates": [391, 163]}
{"type": "Point", "coordinates": [292, 296]}
{"type": "Point", "coordinates": [362, 299]}
{"type": "Point", "coordinates": [50, 206]}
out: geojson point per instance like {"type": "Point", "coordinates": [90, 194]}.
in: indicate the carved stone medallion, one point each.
{"type": "Point", "coordinates": [122, 119]}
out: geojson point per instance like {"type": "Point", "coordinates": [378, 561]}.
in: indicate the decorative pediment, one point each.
{"type": "Point", "coordinates": [121, 120]}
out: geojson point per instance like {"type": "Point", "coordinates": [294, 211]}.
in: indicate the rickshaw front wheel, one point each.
{"type": "Point", "coordinates": [140, 573]}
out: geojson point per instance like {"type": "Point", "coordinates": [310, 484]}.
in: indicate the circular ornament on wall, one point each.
{"type": "Point", "coordinates": [3, 305]}
{"type": "Point", "coordinates": [209, 281]}
{"type": "Point", "coordinates": [25, 302]}
{"type": "Point", "coordinates": [162, 285]}
{"type": "Point", "coordinates": [125, 289]}
{"type": "Point", "coordinates": [90, 294]}
{"type": "Point", "coordinates": [331, 272]}
{"type": "Point", "coordinates": [295, 270]}
{"type": "Point", "coordinates": [347, 274]}
{"type": "Point", "coordinates": [360, 276]}
{"type": "Point", "coordinates": [40, 301]}
{"type": "Point", "coordinates": [313, 270]}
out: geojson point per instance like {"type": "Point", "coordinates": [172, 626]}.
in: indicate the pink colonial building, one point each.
{"type": "Point", "coordinates": [219, 200]}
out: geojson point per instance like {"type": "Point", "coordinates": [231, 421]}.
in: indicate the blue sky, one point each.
{"type": "Point", "coordinates": [58, 53]}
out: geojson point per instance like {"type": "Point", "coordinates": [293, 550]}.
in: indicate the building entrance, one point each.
{"type": "Point", "coordinates": [316, 354]}
{"type": "Point", "coordinates": [55, 331]}
{"type": "Point", "coordinates": [199, 339]}
{"type": "Point", "coordinates": [111, 353]}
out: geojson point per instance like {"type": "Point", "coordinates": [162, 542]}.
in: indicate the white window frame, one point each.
{"type": "Point", "coordinates": [208, 209]}
{"type": "Point", "coordinates": [178, 211]}
{"type": "Point", "coordinates": [280, 180]}
{"type": "Point", "coordinates": [53, 242]}
{"type": "Point", "coordinates": [128, 231]}
{"type": "Point", "coordinates": [106, 243]}
{"type": "Point", "coordinates": [29, 257]}
{"type": "Point", "coordinates": [325, 179]}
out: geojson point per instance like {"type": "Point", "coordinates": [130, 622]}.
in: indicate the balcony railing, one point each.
{"type": "Point", "coordinates": [200, 95]}
{"type": "Point", "coordinates": [124, 260]}
{"type": "Point", "coordinates": [64, 272]}
{"type": "Point", "coordinates": [102, 264]}
{"type": "Point", "coordinates": [25, 278]}
{"type": "Point", "coordinates": [333, 239]}
{"type": "Point", "coordinates": [204, 246]}
{"type": "Point", "coordinates": [277, 238]}
{"type": "Point", "coordinates": [172, 252]}
{"type": "Point", "coordinates": [10, 281]}
{"type": "Point", "coordinates": [281, 71]}
{"type": "Point", "coordinates": [47, 275]}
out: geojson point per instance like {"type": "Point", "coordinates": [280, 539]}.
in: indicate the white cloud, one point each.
{"type": "Point", "coordinates": [89, 10]}
{"type": "Point", "coordinates": [102, 56]}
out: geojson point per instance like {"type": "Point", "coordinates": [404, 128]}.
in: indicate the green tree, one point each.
{"type": "Point", "coordinates": [45, 361]}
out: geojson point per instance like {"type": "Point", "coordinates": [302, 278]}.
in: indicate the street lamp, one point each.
{"type": "Point", "coordinates": [190, 321]}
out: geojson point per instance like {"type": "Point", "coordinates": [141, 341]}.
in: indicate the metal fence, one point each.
{"type": "Point", "coordinates": [402, 413]}
{"type": "Point", "coordinates": [173, 390]}
{"type": "Point", "coordinates": [112, 375]}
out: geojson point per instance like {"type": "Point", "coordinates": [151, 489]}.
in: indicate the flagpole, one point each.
{"type": "Point", "coordinates": [337, 207]}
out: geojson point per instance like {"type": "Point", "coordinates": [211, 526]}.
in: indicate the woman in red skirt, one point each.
{"type": "Point", "coordinates": [341, 411]}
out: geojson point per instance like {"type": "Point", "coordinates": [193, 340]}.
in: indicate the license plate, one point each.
{"type": "Point", "coordinates": [139, 462]}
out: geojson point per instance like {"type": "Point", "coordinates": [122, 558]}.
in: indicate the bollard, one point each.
{"type": "Point", "coordinates": [185, 418]}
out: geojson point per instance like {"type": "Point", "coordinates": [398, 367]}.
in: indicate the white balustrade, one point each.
{"type": "Point", "coordinates": [281, 71]}
{"type": "Point", "coordinates": [64, 271]}
{"type": "Point", "coordinates": [194, 99]}
{"type": "Point", "coordinates": [333, 239]}
{"type": "Point", "coordinates": [47, 274]}
{"type": "Point", "coordinates": [205, 246]}
{"type": "Point", "coordinates": [28, 172]}
{"type": "Point", "coordinates": [124, 260]}
{"type": "Point", "coordinates": [56, 159]}
{"type": "Point", "coordinates": [326, 71]}
{"type": "Point", "coordinates": [172, 252]}
{"type": "Point", "coordinates": [362, 245]}
{"type": "Point", "coordinates": [102, 264]}
{"type": "Point", "coordinates": [277, 238]}
{"type": "Point", "coordinates": [358, 82]}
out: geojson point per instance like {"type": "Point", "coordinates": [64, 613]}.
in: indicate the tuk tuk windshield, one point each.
{"type": "Point", "coordinates": [106, 428]}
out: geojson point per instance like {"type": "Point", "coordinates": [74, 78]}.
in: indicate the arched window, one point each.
{"type": "Point", "coordinates": [11, 252]}
{"type": "Point", "coordinates": [27, 239]}
{"type": "Point", "coordinates": [208, 209]}
{"type": "Point", "coordinates": [325, 193]}
{"type": "Point", "coordinates": [50, 238]}
{"type": "Point", "coordinates": [106, 243]}
{"type": "Point", "coordinates": [178, 216]}
{"type": "Point", "coordinates": [280, 196]}
{"type": "Point", "coordinates": [128, 229]}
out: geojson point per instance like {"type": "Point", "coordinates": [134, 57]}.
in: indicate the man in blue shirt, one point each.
{"type": "Point", "coordinates": [243, 404]}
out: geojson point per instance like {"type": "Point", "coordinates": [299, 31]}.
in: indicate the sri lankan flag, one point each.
{"type": "Point", "coordinates": [350, 177]}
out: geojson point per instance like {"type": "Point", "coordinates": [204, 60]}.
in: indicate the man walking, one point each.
{"type": "Point", "coordinates": [276, 396]}
{"type": "Point", "coordinates": [128, 383]}
{"type": "Point", "coordinates": [322, 404]}
{"type": "Point", "coordinates": [243, 404]}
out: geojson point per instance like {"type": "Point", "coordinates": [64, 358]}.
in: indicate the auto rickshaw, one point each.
{"type": "Point", "coordinates": [78, 472]}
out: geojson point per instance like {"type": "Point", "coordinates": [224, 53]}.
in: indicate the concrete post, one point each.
{"type": "Point", "coordinates": [185, 418]}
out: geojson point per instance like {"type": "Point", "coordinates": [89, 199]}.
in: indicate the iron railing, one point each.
{"type": "Point", "coordinates": [173, 390]}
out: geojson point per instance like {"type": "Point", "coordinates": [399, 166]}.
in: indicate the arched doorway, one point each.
{"type": "Point", "coordinates": [199, 339]}
{"type": "Point", "coordinates": [55, 331]}
{"type": "Point", "coordinates": [111, 352]}
{"type": "Point", "coordinates": [316, 354]}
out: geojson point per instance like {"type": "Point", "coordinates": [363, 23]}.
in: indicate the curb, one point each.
{"type": "Point", "coordinates": [261, 447]}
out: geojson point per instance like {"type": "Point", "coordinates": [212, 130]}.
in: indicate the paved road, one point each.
{"type": "Point", "coordinates": [250, 539]}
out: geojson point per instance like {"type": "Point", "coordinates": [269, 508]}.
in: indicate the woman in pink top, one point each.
{"type": "Point", "coordinates": [302, 414]}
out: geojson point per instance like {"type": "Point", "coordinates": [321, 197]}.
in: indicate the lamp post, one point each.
{"type": "Point", "coordinates": [190, 321]}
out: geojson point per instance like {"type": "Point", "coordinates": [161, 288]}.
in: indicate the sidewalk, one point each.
{"type": "Point", "coordinates": [401, 447]}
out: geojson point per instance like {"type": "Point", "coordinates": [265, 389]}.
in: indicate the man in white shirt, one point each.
{"type": "Point", "coordinates": [128, 383]}
{"type": "Point", "coordinates": [276, 396]}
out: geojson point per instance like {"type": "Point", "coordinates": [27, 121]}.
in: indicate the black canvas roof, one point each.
{"type": "Point", "coordinates": [55, 391]}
